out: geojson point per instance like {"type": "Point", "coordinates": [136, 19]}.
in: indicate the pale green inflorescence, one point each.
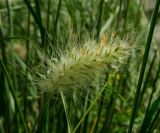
{"type": "Point", "coordinates": [81, 67]}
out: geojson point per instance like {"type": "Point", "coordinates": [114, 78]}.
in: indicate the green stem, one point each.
{"type": "Point", "coordinates": [48, 13]}
{"type": "Point", "coordinates": [146, 80]}
{"type": "Point", "coordinates": [144, 127]}
{"type": "Point", "coordinates": [98, 27]}
{"type": "Point", "coordinates": [119, 13]}
{"type": "Point", "coordinates": [90, 107]}
{"type": "Point", "coordinates": [155, 122]}
{"type": "Point", "coordinates": [99, 110]}
{"type": "Point", "coordinates": [38, 10]}
{"type": "Point", "coordinates": [65, 109]}
{"type": "Point", "coordinates": [27, 61]}
{"type": "Point", "coordinates": [4, 91]}
{"type": "Point", "coordinates": [148, 44]}
{"type": "Point", "coordinates": [9, 17]}
{"type": "Point", "coordinates": [14, 96]}
{"type": "Point", "coordinates": [14, 8]}
{"type": "Point", "coordinates": [57, 17]}
{"type": "Point", "coordinates": [38, 22]}
{"type": "Point", "coordinates": [126, 14]}
{"type": "Point", "coordinates": [45, 106]}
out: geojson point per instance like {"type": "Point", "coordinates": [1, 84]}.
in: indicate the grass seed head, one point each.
{"type": "Point", "coordinates": [80, 66]}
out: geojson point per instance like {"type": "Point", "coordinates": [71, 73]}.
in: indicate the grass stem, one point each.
{"type": "Point", "coordinates": [142, 71]}
{"type": "Point", "coordinates": [65, 109]}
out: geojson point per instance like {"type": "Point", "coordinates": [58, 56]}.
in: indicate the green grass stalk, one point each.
{"type": "Point", "coordinates": [38, 22]}
{"type": "Point", "coordinates": [109, 112]}
{"type": "Point", "coordinates": [65, 109]}
{"type": "Point", "coordinates": [10, 20]}
{"type": "Point", "coordinates": [148, 44]}
{"type": "Point", "coordinates": [38, 10]}
{"type": "Point", "coordinates": [119, 13]}
{"type": "Point", "coordinates": [146, 80]}
{"type": "Point", "coordinates": [99, 110]}
{"type": "Point", "coordinates": [155, 122]}
{"type": "Point", "coordinates": [44, 107]}
{"type": "Point", "coordinates": [144, 125]}
{"type": "Point", "coordinates": [57, 17]}
{"type": "Point", "coordinates": [90, 107]}
{"type": "Point", "coordinates": [15, 8]}
{"type": "Point", "coordinates": [87, 104]}
{"type": "Point", "coordinates": [27, 62]}
{"type": "Point", "coordinates": [14, 96]}
{"type": "Point", "coordinates": [48, 13]}
{"type": "Point", "coordinates": [126, 14]}
{"type": "Point", "coordinates": [138, 14]}
{"type": "Point", "coordinates": [3, 94]}
{"type": "Point", "coordinates": [98, 26]}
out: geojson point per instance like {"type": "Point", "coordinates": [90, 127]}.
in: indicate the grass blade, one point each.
{"type": "Point", "coordinates": [154, 122]}
{"type": "Point", "coordinates": [65, 109]}
{"type": "Point", "coordinates": [42, 111]}
{"type": "Point", "coordinates": [27, 61]}
{"type": "Point", "coordinates": [38, 22]}
{"type": "Point", "coordinates": [98, 26]}
{"type": "Point", "coordinates": [9, 17]}
{"type": "Point", "coordinates": [146, 80]}
{"type": "Point", "coordinates": [119, 13]}
{"type": "Point", "coordinates": [99, 110]}
{"type": "Point", "coordinates": [151, 113]}
{"type": "Point", "coordinates": [90, 107]}
{"type": "Point", "coordinates": [148, 44]}
{"type": "Point", "coordinates": [144, 125]}
{"type": "Point", "coordinates": [3, 94]}
{"type": "Point", "coordinates": [57, 16]}
{"type": "Point", "coordinates": [126, 14]}
{"type": "Point", "coordinates": [48, 13]}
{"type": "Point", "coordinates": [15, 97]}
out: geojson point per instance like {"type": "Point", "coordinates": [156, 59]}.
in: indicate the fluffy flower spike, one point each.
{"type": "Point", "coordinates": [80, 67]}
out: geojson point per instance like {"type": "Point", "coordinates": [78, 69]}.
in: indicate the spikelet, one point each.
{"type": "Point", "coordinates": [80, 67]}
